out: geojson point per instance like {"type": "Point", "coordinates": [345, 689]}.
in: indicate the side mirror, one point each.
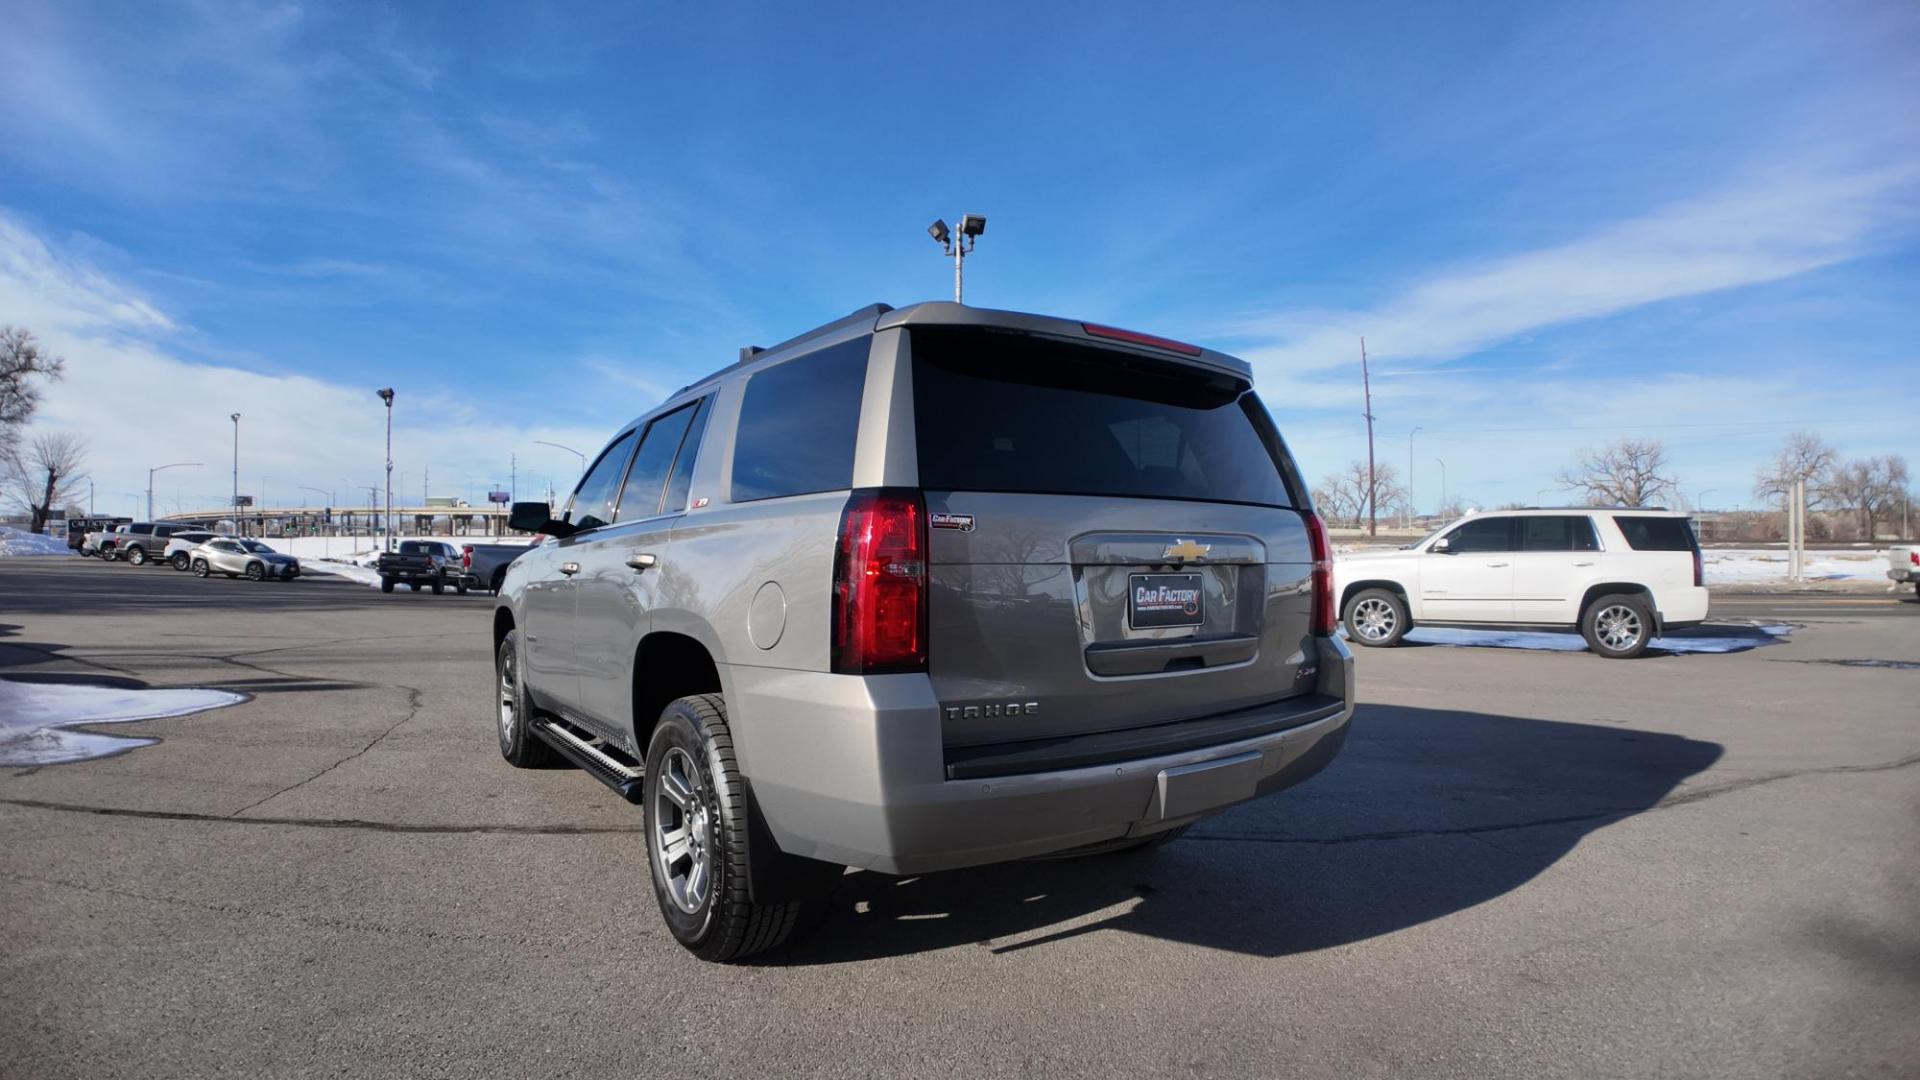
{"type": "Point", "coordinates": [537, 517]}
{"type": "Point", "coordinates": [1442, 546]}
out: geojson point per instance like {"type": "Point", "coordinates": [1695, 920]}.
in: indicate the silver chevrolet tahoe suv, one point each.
{"type": "Point", "coordinates": [922, 589]}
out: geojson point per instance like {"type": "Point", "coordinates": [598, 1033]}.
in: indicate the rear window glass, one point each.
{"type": "Point", "coordinates": [798, 420]}
{"type": "Point", "coordinates": [1656, 533]}
{"type": "Point", "coordinates": [1009, 412]}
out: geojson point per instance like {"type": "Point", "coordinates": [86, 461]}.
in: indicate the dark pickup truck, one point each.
{"type": "Point", "coordinates": [485, 565]}
{"type": "Point", "coordinates": [422, 562]}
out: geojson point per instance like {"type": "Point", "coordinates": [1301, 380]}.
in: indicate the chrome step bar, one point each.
{"type": "Point", "coordinates": [602, 766]}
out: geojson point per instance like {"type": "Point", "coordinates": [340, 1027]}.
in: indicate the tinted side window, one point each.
{"type": "Point", "coordinates": [1487, 534]}
{"type": "Point", "coordinates": [592, 502]}
{"type": "Point", "coordinates": [797, 424]}
{"type": "Point", "coordinates": [1555, 534]}
{"type": "Point", "coordinates": [682, 480]}
{"type": "Point", "coordinates": [1656, 533]}
{"type": "Point", "coordinates": [640, 496]}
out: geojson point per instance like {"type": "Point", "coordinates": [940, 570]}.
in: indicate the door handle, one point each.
{"type": "Point", "coordinates": [641, 560]}
{"type": "Point", "coordinates": [1583, 564]}
{"type": "Point", "coordinates": [1495, 565]}
{"type": "Point", "coordinates": [569, 568]}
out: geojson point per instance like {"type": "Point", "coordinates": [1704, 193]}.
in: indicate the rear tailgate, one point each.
{"type": "Point", "coordinates": [1114, 542]}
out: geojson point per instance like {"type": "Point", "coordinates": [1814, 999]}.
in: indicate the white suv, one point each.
{"type": "Point", "coordinates": [1620, 575]}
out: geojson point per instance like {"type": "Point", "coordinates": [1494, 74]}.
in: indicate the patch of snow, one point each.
{"type": "Point", "coordinates": [363, 575]}
{"type": "Point", "coordinates": [20, 542]}
{"type": "Point", "coordinates": [34, 718]}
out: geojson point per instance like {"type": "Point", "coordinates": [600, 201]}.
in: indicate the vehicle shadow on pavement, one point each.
{"type": "Point", "coordinates": [1425, 813]}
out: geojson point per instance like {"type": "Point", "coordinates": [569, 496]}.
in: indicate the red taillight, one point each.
{"type": "Point", "coordinates": [1699, 569]}
{"type": "Point", "coordinates": [1914, 556]}
{"type": "Point", "coordinates": [880, 584]}
{"type": "Point", "coordinates": [466, 556]}
{"type": "Point", "coordinates": [1136, 338]}
{"type": "Point", "coordinates": [1324, 616]}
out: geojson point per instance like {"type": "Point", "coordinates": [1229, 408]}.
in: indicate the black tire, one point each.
{"type": "Point", "coordinates": [180, 560]}
{"type": "Point", "coordinates": [438, 588]}
{"type": "Point", "coordinates": [1381, 613]}
{"type": "Point", "coordinates": [256, 572]}
{"type": "Point", "coordinates": [724, 923]}
{"type": "Point", "coordinates": [200, 568]}
{"type": "Point", "coordinates": [386, 584]}
{"type": "Point", "coordinates": [413, 586]}
{"type": "Point", "coordinates": [137, 556]}
{"type": "Point", "coordinates": [518, 744]}
{"type": "Point", "coordinates": [1618, 626]}
{"type": "Point", "coordinates": [461, 588]}
{"type": "Point", "coordinates": [499, 579]}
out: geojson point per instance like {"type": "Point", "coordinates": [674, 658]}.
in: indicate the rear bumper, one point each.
{"type": "Point", "coordinates": [852, 771]}
{"type": "Point", "coordinates": [1904, 575]}
{"type": "Point", "coordinates": [1683, 607]}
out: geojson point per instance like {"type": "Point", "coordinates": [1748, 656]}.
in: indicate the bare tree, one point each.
{"type": "Point", "coordinates": [1803, 456]}
{"type": "Point", "coordinates": [43, 474]}
{"type": "Point", "coordinates": [1867, 487]}
{"type": "Point", "coordinates": [1343, 496]}
{"type": "Point", "coordinates": [1332, 499]}
{"type": "Point", "coordinates": [1630, 472]}
{"type": "Point", "coordinates": [21, 362]}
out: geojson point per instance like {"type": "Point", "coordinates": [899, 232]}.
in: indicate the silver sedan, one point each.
{"type": "Point", "coordinates": [234, 558]}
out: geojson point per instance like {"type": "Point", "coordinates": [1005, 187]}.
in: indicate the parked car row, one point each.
{"type": "Point", "coordinates": [187, 548]}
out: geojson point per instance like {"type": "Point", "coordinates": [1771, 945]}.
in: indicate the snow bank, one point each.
{"type": "Point", "coordinates": [21, 542]}
{"type": "Point", "coordinates": [34, 718]}
{"type": "Point", "coordinates": [1757, 566]}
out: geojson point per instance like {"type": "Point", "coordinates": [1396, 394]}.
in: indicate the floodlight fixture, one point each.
{"type": "Point", "coordinates": [959, 246]}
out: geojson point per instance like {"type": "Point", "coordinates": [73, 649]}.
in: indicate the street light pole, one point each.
{"type": "Point", "coordinates": [150, 472]}
{"type": "Point", "coordinates": [238, 527]}
{"type": "Point", "coordinates": [386, 395]}
{"type": "Point", "coordinates": [1410, 500]}
{"type": "Point", "coordinates": [1443, 485]}
{"type": "Point", "coordinates": [568, 449]}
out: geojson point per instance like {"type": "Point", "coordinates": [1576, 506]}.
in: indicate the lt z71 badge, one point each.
{"type": "Point", "coordinates": [942, 520]}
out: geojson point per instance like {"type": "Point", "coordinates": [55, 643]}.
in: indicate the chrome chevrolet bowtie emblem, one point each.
{"type": "Point", "coordinates": [1185, 549]}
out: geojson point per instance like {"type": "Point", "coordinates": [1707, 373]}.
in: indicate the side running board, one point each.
{"type": "Point", "coordinates": [593, 756]}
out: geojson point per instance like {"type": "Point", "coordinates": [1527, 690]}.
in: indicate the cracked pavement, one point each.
{"type": "Point", "coordinates": [1523, 864]}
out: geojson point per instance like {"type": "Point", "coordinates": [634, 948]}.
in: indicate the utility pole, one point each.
{"type": "Point", "coordinates": [1373, 486]}
{"type": "Point", "coordinates": [513, 476]}
{"type": "Point", "coordinates": [1443, 484]}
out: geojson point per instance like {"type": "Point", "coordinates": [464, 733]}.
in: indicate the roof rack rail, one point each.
{"type": "Point", "coordinates": [1660, 509]}
{"type": "Point", "coordinates": [750, 353]}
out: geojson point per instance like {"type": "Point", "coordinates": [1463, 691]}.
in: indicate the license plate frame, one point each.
{"type": "Point", "coordinates": [1173, 601]}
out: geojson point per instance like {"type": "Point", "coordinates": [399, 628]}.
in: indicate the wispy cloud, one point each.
{"type": "Point", "coordinates": [129, 389]}
{"type": "Point", "coordinates": [1774, 227]}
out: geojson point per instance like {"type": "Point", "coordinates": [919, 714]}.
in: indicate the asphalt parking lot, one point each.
{"type": "Point", "coordinates": [1525, 864]}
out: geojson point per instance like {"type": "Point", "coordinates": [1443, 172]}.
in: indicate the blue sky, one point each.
{"type": "Point", "coordinates": [1555, 224]}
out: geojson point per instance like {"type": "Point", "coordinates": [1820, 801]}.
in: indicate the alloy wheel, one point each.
{"type": "Point", "coordinates": [1618, 627]}
{"type": "Point", "coordinates": [681, 832]}
{"type": "Point", "coordinates": [1374, 619]}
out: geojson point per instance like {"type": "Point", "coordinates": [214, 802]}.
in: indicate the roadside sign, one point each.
{"type": "Point", "coordinates": [501, 497]}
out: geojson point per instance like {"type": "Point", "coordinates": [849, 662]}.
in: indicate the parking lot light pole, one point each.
{"type": "Point", "coordinates": [235, 505]}
{"type": "Point", "coordinates": [386, 524]}
{"type": "Point", "coordinates": [155, 469]}
{"type": "Point", "coordinates": [1410, 499]}
{"type": "Point", "coordinates": [568, 449]}
{"type": "Point", "coordinates": [1443, 485]}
